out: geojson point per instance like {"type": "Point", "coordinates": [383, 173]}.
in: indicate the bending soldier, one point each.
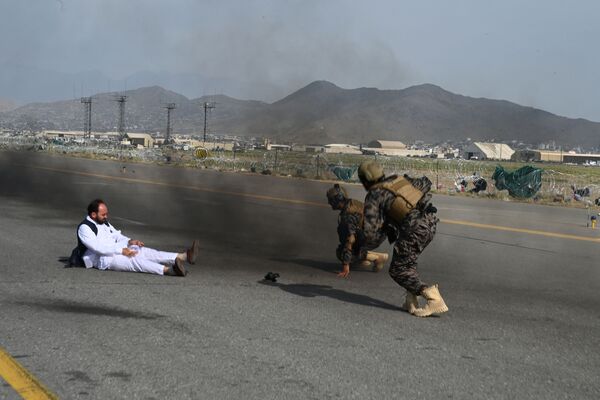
{"type": "Point", "coordinates": [400, 209]}
{"type": "Point", "coordinates": [349, 224]}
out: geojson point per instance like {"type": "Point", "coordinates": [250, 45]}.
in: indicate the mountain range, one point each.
{"type": "Point", "coordinates": [322, 112]}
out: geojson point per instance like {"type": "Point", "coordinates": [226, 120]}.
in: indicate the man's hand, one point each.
{"type": "Point", "coordinates": [345, 271]}
{"type": "Point", "coordinates": [136, 243]}
{"type": "Point", "coordinates": [128, 252]}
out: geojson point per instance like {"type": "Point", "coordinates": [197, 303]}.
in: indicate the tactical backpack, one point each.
{"type": "Point", "coordinates": [407, 196]}
{"type": "Point", "coordinates": [76, 258]}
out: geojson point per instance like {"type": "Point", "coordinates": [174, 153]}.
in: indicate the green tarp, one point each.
{"type": "Point", "coordinates": [522, 183]}
{"type": "Point", "coordinates": [343, 173]}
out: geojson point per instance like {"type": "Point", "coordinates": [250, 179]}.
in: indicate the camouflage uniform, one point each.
{"type": "Point", "coordinates": [410, 236]}
{"type": "Point", "coordinates": [349, 222]}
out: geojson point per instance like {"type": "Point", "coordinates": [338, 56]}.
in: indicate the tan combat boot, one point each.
{"type": "Point", "coordinates": [378, 260]}
{"type": "Point", "coordinates": [435, 303]}
{"type": "Point", "coordinates": [411, 303]}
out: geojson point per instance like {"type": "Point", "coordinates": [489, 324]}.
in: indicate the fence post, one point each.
{"type": "Point", "coordinates": [318, 166]}
{"type": "Point", "coordinates": [437, 172]}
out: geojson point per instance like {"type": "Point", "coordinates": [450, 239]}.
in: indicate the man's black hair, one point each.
{"type": "Point", "coordinates": [93, 206]}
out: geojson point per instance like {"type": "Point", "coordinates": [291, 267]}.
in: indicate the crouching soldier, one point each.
{"type": "Point", "coordinates": [349, 224]}
{"type": "Point", "coordinates": [400, 209]}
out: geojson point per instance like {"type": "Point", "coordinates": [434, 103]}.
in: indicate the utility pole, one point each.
{"type": "Point", "coordinates": [207, 107]}
{"type": "Point", "coordinates": [87, 116]}
{"type": "Point", "coordinates": [437, 173]}
{"type": "Point", "coordinates": [318, 166]}
{"type": "Point", "coordinates": [561, 156]}
{"type": "Point", "coordinates": [169, 107]}
{"type": "Point", "coordinates": [121, 128]}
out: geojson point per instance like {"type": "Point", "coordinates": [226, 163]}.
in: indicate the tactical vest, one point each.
{"type": "Point", "coordinates": [355, 207]}
{"type": "Point", "coordinates": [407, 197]}
{"type": "Point", "coordinates": [352, 207]}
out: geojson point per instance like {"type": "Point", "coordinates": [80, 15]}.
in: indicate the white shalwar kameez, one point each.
{"type": "Point", "coordinates": [104, 251]}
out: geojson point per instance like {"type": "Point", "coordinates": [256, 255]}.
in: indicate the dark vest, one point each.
{"type": "Point", "coordinates": [94, 229]}
{"type": "Point", "coordinates": [76, 259]}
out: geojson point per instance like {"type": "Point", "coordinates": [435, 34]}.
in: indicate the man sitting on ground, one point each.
{"type": "Point", "coordinates": [102, 246]}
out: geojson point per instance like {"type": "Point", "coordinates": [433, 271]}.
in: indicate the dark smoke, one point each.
{"type": "Point", "coordinates": [223, 222]}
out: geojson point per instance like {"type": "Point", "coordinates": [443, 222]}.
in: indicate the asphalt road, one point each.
{"type": "Point", "coordinates": [521, 282]}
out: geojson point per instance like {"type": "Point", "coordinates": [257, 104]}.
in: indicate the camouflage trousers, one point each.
{"type": "Point", "coordinates": [415, 233]}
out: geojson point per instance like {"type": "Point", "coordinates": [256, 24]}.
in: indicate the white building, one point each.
{"type": "Point", "coordinates": [386, 144]}
{"type": "Point", "coordinates": [314, 148]}
{"type": "Point", "coordinates": [487, 151]}
{"type": "Point", "coordinates": [339, 148]}
{"type": "Point", "coordinates": [279, 147]}
{"type": "Point", "coordinates": [140, 139]}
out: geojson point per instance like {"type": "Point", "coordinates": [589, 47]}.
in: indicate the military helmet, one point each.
{"type": "Point", "coordinates": [336, 195]}
{"type": "Point", "coordinates": [370, 171]}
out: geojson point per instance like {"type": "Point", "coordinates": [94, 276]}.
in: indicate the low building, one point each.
{"type": "Point", "coordinates": [217, 146]}
{"type": "Point", "coordinates": [54, 134]}
{"type": "Point", "coordinates": [309, 148]}
{"type": "Point", "coordinates": [556, 156]}
{"type": "Point", "coordinates": [487, 151]}
{"type": "Point", "coordinates": [279, 147]}
{"type": "Point", "coordinates": [339, 148]}
{"type": "Point", "coordinates": [386, 144]}
{"type": "Point", "coordinates": [72, 135]}
{"type": "Point", "coordinates": [140, 139]}
{"type": "Point", "coordinates": [398, 152]}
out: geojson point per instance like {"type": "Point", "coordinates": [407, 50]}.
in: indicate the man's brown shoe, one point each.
{"type": "Point", "coordinates": [192, 252]}
{"type": "Point", "coordinates": [178, 268]}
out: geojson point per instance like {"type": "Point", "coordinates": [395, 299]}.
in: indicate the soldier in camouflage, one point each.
{"type": "Point", "coordinates": [400, 209]}
{"type": "Point", "coordinates": [349, 225]}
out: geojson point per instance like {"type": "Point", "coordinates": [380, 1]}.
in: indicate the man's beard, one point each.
{"type": "Point", "coordinates": [100, 221]}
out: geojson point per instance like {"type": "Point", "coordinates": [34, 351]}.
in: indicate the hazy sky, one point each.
{"type": "Point", "coordinates": [537, 53]}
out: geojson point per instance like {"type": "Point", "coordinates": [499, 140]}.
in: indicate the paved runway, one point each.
{"type": "Point", "coordinates": [521, 282]}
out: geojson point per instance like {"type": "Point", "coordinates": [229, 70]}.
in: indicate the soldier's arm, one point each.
{"type": "Point", "coordinates": [374, 229]}
{"type": "Point", "coordinates": [371, 216]}
{"type": "Point", "coordinates": [353, 226]}
{"type": "Point", "coordinates": [347, 249]}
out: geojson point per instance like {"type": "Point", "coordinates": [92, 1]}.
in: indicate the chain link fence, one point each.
{"type": "Point", "coordinates": [559, 182]}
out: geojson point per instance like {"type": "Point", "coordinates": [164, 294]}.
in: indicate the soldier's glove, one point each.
{"type": "Point", "coordinates": [430, 209]}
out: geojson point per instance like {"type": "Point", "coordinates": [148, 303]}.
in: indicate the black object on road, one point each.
{"type": "Point", "coordinates": [271, 276]}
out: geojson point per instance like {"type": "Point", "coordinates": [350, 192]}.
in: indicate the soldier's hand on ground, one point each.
{"type": "Point", "coordinates": [128, 252]}
{"type": "Point", "coordinates": [136, 243]}
{"type": "Point", "coordinates": [345, 271]}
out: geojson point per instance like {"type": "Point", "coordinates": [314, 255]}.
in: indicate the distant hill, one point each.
{"type": "Point", "coordinates": [144, 112]}
{"type": "Point", "coordinates": [7, 105]}
{"type": "Point", "coordinates": [322, 112]}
